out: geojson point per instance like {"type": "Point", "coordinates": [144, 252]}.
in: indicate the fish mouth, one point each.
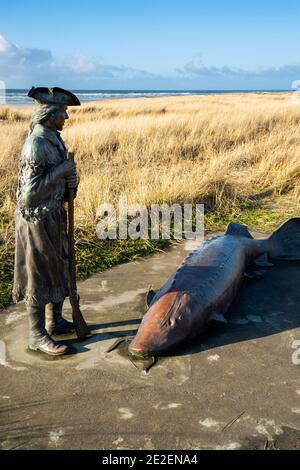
{"type": "Point", "coordinates": [140, 353]}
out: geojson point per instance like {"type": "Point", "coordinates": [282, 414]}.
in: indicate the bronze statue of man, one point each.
{"type": "Point", "coordinates": [41, 275]}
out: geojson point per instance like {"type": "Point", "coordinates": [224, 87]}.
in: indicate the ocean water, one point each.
{"type": "Point", "coordinates": [20, 96]}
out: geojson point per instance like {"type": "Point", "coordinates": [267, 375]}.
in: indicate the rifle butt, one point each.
{"type": "Point", "coordinates": [81, 328]}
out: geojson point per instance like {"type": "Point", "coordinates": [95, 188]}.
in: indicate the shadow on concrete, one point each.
{"type": "Point", "coordinates": [81, 346]}
{"type": "Point", "coordinates": [100, 326]}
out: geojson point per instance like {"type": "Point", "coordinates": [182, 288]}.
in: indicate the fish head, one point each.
{"type": "Point", "coordinates": [166, 323]}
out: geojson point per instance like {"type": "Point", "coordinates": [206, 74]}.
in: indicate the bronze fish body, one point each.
{"type": "Point", "coordinates": [204, 286]}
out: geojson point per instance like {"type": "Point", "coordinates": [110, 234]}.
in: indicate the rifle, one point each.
{"type": "Point", "coordinates": [80, 325]}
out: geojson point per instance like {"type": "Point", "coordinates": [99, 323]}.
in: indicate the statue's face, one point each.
{"type": "Point", "coordinates": [58, 119]}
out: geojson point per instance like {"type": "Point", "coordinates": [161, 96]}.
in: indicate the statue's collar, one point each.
{"type": "Point", "coordinates": [43, 131]}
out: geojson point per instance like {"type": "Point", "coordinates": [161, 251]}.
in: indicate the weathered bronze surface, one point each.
{"type": "Point", "coordinates": [46, 175]}
{"type": "Point", "coordinates": [204, 286]}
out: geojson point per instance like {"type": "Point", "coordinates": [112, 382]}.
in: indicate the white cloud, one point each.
{"type": "Point", "coordinates": [6, 47]}
{"type": "Point", "coordinates": [195, 68]}
{"type": "Point", "coordinates": [20, 66]}
{"type": "Point", "coordinates": [23, 67]}
{"type": "Point", "coordinates": [195, 65]}
{"type": "Point", "coordinates": [81, 64]}
{"type": "Point", "coordinates": [14, 59]}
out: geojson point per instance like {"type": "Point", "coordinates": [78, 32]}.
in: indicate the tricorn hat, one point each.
{"type": "Point", "coordinates": [55, 95]}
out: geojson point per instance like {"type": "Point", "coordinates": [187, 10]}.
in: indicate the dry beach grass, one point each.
{"type": "Point", "coordinates": [220, 149]}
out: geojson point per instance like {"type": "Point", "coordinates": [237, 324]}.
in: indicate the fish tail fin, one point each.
{"type": "Point", "coordinates": [284, 243]}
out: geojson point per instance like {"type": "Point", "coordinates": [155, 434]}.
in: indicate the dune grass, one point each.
{"type": "Point", "coordinates": [237, 154]}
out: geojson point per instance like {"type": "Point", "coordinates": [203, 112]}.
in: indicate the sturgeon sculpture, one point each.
{"type": "Point", "coordinates": [206, 283]}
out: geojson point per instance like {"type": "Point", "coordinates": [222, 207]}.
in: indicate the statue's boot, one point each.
{"type": "Point", "coordinates": [55, 323]}
{"type": "Point", "coordinates": [39, 338]}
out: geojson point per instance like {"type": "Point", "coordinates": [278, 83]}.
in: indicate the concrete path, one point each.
{"type": "Point", "coordinates": [234, 388]}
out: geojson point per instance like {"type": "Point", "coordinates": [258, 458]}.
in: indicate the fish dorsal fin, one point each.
{"type": "Point", "coordinates": [238, 230]}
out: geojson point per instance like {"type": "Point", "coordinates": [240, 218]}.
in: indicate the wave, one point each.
{"type": "Point", "coordinates": [20, 96]}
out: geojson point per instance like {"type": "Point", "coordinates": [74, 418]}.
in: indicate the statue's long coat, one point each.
{"type": "Point", "coordinates": [41, 253]}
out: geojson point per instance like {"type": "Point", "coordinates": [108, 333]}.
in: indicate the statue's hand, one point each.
{"type": "Point", "coordinates": [68, 168]}
{"type": "Point", "coordinates": [73, 180]}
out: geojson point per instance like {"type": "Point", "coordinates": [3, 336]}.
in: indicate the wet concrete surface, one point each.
{"type": "Point", "coordinates": [234, 387]}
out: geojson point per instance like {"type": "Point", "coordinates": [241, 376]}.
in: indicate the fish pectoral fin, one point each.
{"type": "Point", "coordinates": [263, 260]}
{"type": "Point", "coordinates": [219, 317]}
{"type": "Point", "coordinates": [255, 274]}
{"type": "Point", "coordinates": [150, 296]}
{"type": "Point", "coordinates": [238, 230]}
{"type": "Point", "coordinates": [149, 364]}
{"type": "Point", "coordinates": [116, 344]}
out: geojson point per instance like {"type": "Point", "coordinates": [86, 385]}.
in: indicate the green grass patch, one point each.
{"type": "Point", "coordinates": [96, 255]}
{"type": "Point", "coordinates": [6, 277]}
{"type": "Point", "coordinates": [260, 216]}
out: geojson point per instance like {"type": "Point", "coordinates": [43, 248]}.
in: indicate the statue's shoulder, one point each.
{"type": "Point", "coordinates": [42, 147]}
{"type": "Point", "coordinates": [35, 149]}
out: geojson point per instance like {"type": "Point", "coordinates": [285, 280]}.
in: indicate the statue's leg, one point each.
{"type": "Point", "coordinates": [55, 323]}
{"type": "Point", "coordinates": [39, 338]}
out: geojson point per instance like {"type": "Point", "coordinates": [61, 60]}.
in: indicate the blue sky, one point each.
{"type": "Point", "coordinates": [150, 44]}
